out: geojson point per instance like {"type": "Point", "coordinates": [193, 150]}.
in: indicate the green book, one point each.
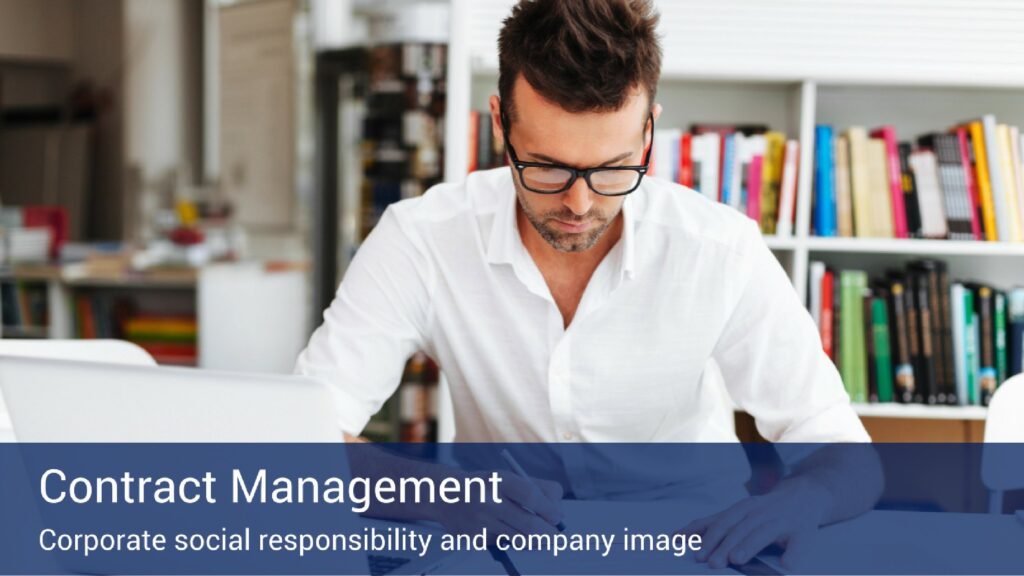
{"type": "Point", "coordinates": [1000, 336]}
{"type": "Point", "coordinates": [971, 332]}
{"type": "Point", "coordinates": [853, 355]}
{"type": "Point", "coordinates": [883, 354]}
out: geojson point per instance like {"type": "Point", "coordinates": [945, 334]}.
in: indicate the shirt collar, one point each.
{"type": "Point", "coordinates": [505, 240]}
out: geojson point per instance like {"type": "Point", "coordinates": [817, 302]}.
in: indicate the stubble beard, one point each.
{"type": "Point", "coordinates": [568, 241]}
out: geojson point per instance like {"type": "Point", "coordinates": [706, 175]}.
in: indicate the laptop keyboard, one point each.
{"type": "Point", "coordinates": [380, 565]}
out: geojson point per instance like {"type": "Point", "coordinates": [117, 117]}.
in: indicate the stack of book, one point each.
{"type": "Point", "coordinates": [749, 167]}
{"type": "Point", "coordinates": [25, 308]}
{"type": "Point", "coordinates": [169, 339]}
{"type": "Point", "coordinates": [963, 184]}
{"type": "Point", "coordinates": [914, 336]}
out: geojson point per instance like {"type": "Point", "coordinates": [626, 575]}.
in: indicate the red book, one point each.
{"type": "Point", "coordinates": [53, 217]}
{"type": "Point", "coordinates": [754, 188]}
{"type": "Point", "coordinates": [827, 296]}
{"type": "Point", "coordinates": [899, 210]}
{"type": "Point", "coordinates": [686, 160]}
{"type": "Point", "coordinates": [474, 136]}
{"type": "Point", "coordinates": [972, 184]}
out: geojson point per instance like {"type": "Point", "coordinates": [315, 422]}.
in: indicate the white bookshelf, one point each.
{"type": "Point", "coordinates": [796, 63]}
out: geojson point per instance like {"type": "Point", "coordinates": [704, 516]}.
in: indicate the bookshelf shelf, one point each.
{"type": "Point", "coordinates": [920, 411]}
{"type": "Point", "coordinates": [777, 243]}
{"type": "Point", "coordinates": [914, 247]}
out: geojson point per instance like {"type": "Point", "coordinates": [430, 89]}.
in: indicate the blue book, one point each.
{"type": "Point", "coordinates": [727, 162]}
{"type": "Point", "coordinates": [824, 181]}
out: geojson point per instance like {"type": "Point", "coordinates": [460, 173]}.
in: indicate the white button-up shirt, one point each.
{"type": "Point", "coordinates": [689, 284]}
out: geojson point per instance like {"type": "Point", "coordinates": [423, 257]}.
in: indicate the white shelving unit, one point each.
{"type": "Point", "coordinates": [920, 66]}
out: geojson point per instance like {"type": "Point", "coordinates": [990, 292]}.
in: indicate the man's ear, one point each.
{"type": "Point", "coordinates": [656, 111]}
{"type": "Point", "coordinates": [496, 128]}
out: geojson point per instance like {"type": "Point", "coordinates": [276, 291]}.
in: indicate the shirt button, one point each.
{"type": "Point", "coordinates": [567, 436]}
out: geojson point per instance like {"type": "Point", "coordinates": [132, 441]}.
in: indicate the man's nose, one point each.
{"type": "Point", "coordinates": [578, 197]}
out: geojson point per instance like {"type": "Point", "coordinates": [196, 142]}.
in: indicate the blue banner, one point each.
{"type": "Point", "coordinates": [511, 508]}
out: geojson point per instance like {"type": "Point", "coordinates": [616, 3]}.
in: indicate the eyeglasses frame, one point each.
{"type": "Point", "coordinates": [520, 165]}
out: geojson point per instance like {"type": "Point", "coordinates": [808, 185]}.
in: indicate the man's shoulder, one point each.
{"type": "Point", "coordinates": [686, 214]}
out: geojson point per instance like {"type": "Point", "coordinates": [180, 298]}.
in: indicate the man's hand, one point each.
{"type": "Point", "coordinates": [788, 516]}
{"type": "Point", "coordinates": [523, 510]}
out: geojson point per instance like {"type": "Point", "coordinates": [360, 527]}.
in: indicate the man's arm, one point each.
{"type": "Point", "coordinates": [378, 319]}
{"type": "Point", "coordinates": [774, 367]}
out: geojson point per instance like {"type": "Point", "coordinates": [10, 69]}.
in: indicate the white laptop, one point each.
{"type": "Point", "coordinates": [73, 401]}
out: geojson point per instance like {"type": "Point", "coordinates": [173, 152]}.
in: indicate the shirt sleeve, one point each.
{"type": "Point", "coordinates": [772, 360]}
{"type": "Point", "coordinates": [377, 320]}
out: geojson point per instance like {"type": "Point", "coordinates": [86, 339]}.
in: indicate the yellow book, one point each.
{"type": "Point", "coordinates": [988, 212]}
{"type": "Point", "coordinates": [771, 179]}
{"type": "Point", "coordinates": [859, 182]}
{"type": "Point", "coordinates": [1009, 182]}
{"type": "Point", "coordinates": [878, 181]}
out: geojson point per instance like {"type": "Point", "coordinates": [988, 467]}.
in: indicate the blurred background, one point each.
{"type": "Point", "coordinates": [195, 175]}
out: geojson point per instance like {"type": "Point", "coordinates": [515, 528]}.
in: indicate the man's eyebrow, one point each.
{"type": "Point", "coordinates": [544, 158]}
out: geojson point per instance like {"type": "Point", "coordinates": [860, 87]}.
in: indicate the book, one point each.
{"type": "Point", "coordinates": [985, 195]}
{"type": "Point", "coordinates": [871, 362]}
{"type": "Point", "coordinates": [827, 310]}
{"type": "Point", "coordinates": [970, 348]}
{"type": "Point", "coordinates": [1008, 172]}
{"type": "Point", "coordinates": [946, 330]}
{"type": "Point", "coordinates": [824, 191]}
{"type": "Point", "coordinates": [953, 182]}
{"type": "Point", "coordinates": [960, 364]}
{"type": "Point", "coordinates": [754, 182]}
{"type": "Point", "coordinates": [705, 152]}
{"type": "Point", "coordinates": [844, 202]}
{"type": "Point", "coordinates": [881, 206]}
{"type": "Point", "coordinates": [987, 376]}
{"type": "Point", "coordinates": [909, 191]}
{"type": "Point", "coordinates": [903, 369]}
{"type": "Point", "coordinates": [787, 192]}
{"type": "Point", "coordinates": [995, 175]}
{"type": "Point", "coordinates": [924, 164]}
{"type": "Point", "coordinates": [852, 352]}
{"type": "Point", "coordinates": [966, 160]}
{"type": "Point", "coordinates": [772, 167]}
{"type": "Point", "coordinates": [860, 184]}
{"type": "Point", "coordinates": [686, 160]}
{"type": "Point", "coordinates": [925, 368]}
{"type": "Point", "coordinates": [887, 134]}
{"type": "Point", "coordinates": [883, 350]}
{"type": "Point", "coordinates": [1015, 331]}
{"type": "Point", "coordinates": [728, 167]}
{"type": "Point", "coordinates": [816, 274]}
{"type": "Point", "coordinates": [999, 332]}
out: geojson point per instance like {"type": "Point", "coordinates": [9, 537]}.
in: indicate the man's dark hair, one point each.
{"type": "Point", "coordinates": [584, 55]}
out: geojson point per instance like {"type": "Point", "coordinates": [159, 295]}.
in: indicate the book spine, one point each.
{"type": "Point", "coordinates": [899, 215]}
{"type": "Point", "coordinates": [686, 160]}
{"type": "Point", "coordinates": [754, 171]}
{"type": "Point", "coordinates": [844, 201]}
{"type": "Point", "coordinates": [999, 329]}
{"type": "Point", "coordinates": [728, 154]}
{"type": "Point", "coordinates": [824, 207]}
{"type": "Point", "coordinates": [988, 123]}
{"type": "Point", "coordinates": [909, 192]}
{"type": "Point", "coordinates": [787, 200]}
{"type": "Point", "coordinates": [771, 181]}
{"type": "Point", "coordinates": [870, 364]}
{"type": "Point", "coordinates": [984, 183]}
{"type": "Point", "coordinates": [1009, 179]}
{"type": "Point", "coordinates": [827, 310]}
{"type": "Point", "coordinates": [971, 181]}
{"type": "Point", "coordinates": [929, 383]}
{"type": "Point", "coordinates": [883, 358]}
{"type": "Point", "coordinates": [959, 350]}
{"type": "Point", "coordinates": [970, 347]}
{"type": "Point", "coordinates": [903, 357]}
{"type": "Point", "coordinates": [987, 374]}
{"type": "Point", "coordinates": [946, 332]}
{"type": "Point", "coordinates": [954, 186]}
{"type": "Point", "coordinates": [1015, 331]}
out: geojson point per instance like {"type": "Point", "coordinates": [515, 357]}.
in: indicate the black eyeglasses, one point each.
{"type": "Point", "coordinates": [544, 178]}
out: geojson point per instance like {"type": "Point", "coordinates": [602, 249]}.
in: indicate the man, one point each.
{"type": "Point", "coordinates": [568, 297]}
